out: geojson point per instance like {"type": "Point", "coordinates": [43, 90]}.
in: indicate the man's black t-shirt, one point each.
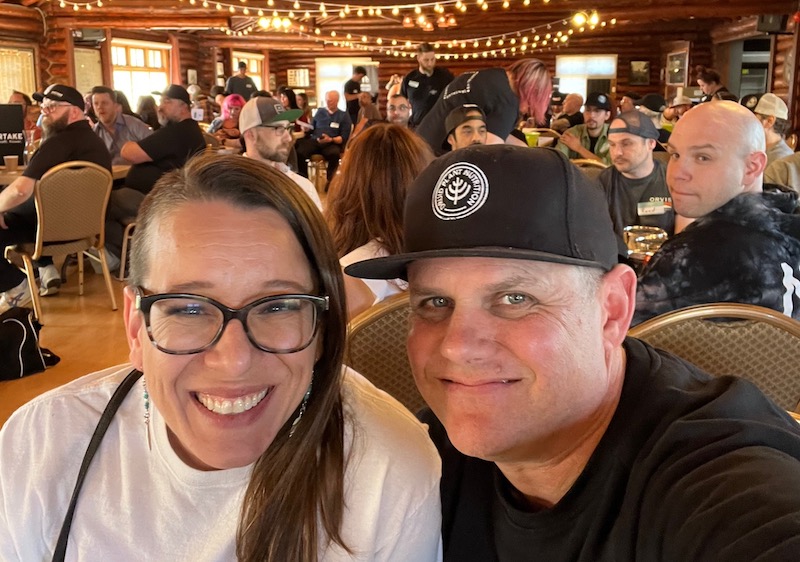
{"type": "Point", "coordinates": [169, 147]}
{"type": "Point", "coordinates": [76, 142]}
{"type": "Point", "coordinates": [352, 87]}
{"type": "Point", "coordinates": [422, 91]}
{"type": "Point", "coordinates": [690, 468]}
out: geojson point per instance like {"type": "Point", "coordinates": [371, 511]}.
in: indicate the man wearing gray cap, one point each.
{"type": "Point", "coordinates": [773, 113]}
{"type": "Point", "coordinates": [636, 184]}
{"type": "Point", "coordinates": [561, 439]}
{"type": "Point", "coordinates": [68, 137]}
{"type": "Point", "coordinates": [266, 127]}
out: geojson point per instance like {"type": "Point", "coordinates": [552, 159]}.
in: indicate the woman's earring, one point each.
{"type": "Point", "coordinates": [302, 407]}
{"type": "Point", "coordinates": [146, 413]}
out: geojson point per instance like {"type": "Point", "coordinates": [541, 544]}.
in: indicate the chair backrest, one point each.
{"type": "Point", "coordinates": [376, 348]}
{"type": "Point", "coordinates": [71, 200]}
{"type": "Point", "coordinates": [746, 340]}
{"type": "Point", "coordinates": [662, 156]}
{"type": "Point", "coordinates": [588, 163]}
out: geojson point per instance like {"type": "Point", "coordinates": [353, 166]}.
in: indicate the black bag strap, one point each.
{"type": "Point", "coordinates": [102, 426]}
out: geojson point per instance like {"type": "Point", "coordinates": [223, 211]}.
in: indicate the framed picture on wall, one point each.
{"type": "Point", "coordinates": [677, 67]}
{"type": "Point", "coordinates": [640, 73]}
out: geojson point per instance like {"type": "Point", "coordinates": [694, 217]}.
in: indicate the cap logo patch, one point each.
{"type": "Point", "coordinates": [461, 190]}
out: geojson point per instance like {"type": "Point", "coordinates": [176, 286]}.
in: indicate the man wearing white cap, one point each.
{"type": "Point", "coordinates": [680, 105]}
{"type": "Point", "coordinates": [774, 114]}
{"type": "Point", "coordinates": [266, 127]}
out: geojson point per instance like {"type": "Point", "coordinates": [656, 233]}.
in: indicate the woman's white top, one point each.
{"type": "Point", "coordinates": [139, 504]}
{"type": "Point", "coordinates": [381, 288]}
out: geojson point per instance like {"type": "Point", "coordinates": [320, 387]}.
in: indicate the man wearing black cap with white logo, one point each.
{"type": "Point", "coordinates": [589, 140]}
{"type": "Point", "coordinates": [465, 126]}
{"type": "Point", "coordinates": [68, 136]}
{"type": "Point", "coordinates": [168, 148]}
{"type": "Point", "coordinates": [561, 439]}
{"type": "Point", "coordinates": [636, 185]}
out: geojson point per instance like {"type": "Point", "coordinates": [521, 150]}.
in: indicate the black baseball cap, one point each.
{"type": "Point", "coordinates": [636, 123]}
{"type": "Point", "coordinates": [60, 92]}
{"type": "Point", "coordinates": [557, 98]}
{"type": "Point", "coordinates": [653, 102]}
{"type": "Point", "coordinates": [598, 100]}
{"type": "Point", "coordinates": [176, 92]}
{"type": "Point", "coordinates": [462, 114]}
{"type": "Point", "coordinates": [501, 201]}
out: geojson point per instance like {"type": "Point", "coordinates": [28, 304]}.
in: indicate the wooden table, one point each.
{"type": "Point", "coordinates": [118, 172]}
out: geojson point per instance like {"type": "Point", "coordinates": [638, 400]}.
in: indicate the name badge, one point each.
{"type": "Point", "coordinates": [651, 208]}
{"type": "Point", "coordinates": [413, 84]}
{"type": "Point", "coordinates": [198, 113]}
{"type": "Point", "coordinates": [334, 125]}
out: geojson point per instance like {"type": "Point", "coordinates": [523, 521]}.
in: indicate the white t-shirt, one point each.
{"type": "Point", "coordinates": [304, 183]}
{"type": "Point", "coordinates": [139, 504]}
{"type": "Point", "coordinates": [381, 288]}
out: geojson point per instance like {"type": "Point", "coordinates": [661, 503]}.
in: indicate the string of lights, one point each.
{"type": "Point", "coordinates": [305, 25]}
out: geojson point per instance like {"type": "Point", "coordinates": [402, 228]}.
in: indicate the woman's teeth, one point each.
{"type": "Point", "coordinates": [228, 406]}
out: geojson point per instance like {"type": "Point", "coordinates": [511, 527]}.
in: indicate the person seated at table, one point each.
{"type": "Point", "coordinates": [773, 113]}
{"type": "Point", "coordinates": [589, 140]}
{"type": "Point", "coordinates": [465, 126]}
{"type": "Point", "coordinates": [330, 130]}
{"type": "Point", "coordinates": [166, 149]}
{"type": "Point", "coordinates": [18, 98]}
{"type": "Point", "coordinates": [398, 110]}
{"type": "Point", "coordinates": [243, 436]}
{"type": "Point", "coordinates": [570, 115]}
{"type": "Point", "coordinates": [561, 438]}
{"type": "Point", "coordinates": [68, 137]}
{"type": "Point", "coordinates": [744, 245]}
{"type": "Point", "coordinates": [113, 126]}
{"type": "Point", "coordinates": [365, 204]}
{"type": "Point", "coordinates": [635, 185]}
{"type": "Point", "coordinates": [226, 126]}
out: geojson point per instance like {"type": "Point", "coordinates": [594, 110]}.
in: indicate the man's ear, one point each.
{"type": "Point", "coordinates": [755, 164]}
{"type": "Point", "coordinates": [618, 293]}
{"type": "Point", "coordinates": [451, 141]}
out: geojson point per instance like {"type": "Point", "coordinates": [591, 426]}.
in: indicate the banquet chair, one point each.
{"type": "Point", "coordinates": [756, 343]}
{"type": "Point", "coordinates": [662, 156]}
{"type": "Point", "coordinates": [211, 140]}
{"type": "Point", "coordinates": [71, 201]}
{"type": "Point", "coordinates": [588, 163]}
{"type": "Point", "coordinates": [376, 348]}
{"type": "Point", "coordinates": [127, 236]}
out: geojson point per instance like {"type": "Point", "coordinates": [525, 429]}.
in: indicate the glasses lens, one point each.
{"type": "Point", "coordinates": [182, 324]}
{"type": "Point", "coordinates": [283, 325]}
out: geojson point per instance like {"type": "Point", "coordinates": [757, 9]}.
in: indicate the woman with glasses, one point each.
{"type": "Point", "coordinates": [245, 438]}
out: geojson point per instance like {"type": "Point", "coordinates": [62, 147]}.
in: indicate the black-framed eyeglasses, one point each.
{"type": "Point", "coordinates": [280, 129]}
{"type": "Point", "coordinates": [184, 323]}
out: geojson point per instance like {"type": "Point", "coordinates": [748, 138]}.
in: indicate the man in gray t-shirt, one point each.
{"type": "Point", "coordinates": [636, 186]}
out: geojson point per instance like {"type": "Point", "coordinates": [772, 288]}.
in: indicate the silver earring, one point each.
{"type": "Point", "coordinates": [302, 407]}
{"type": "Point", "coordinates": [146, 413]}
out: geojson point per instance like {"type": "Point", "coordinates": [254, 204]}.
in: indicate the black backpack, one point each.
{"type": "Point", "coordinates": [20, 353]}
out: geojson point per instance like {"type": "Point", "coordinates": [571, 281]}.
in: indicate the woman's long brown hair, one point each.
{"type": "Point", "coordinates": [295, 499]}
{"type": "Point", "coordinates": [366, 199]}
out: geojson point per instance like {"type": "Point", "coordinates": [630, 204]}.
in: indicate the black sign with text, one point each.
{"type": "Point", "coordinates": [12, 136]}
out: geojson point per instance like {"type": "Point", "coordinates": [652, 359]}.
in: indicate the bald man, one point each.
{"type": "Point", "coordinates": [743, 245]}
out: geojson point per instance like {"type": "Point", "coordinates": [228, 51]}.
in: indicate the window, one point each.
{"type": "Point", "coordinates": [139, 68]}
{"type": "Point", "coordinates": [17, 71]}
{"type": "Point", "coordinates": [333, 73]}
{"type": "Point", "coordinates": [574, 71]}
{"type": "Point", "coordinates": [255, 66]}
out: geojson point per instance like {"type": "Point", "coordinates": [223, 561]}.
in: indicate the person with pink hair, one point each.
{"type": "Point", "coordinates": [226, 126]}
{"type": "Point", "coordinates": [504, 95]}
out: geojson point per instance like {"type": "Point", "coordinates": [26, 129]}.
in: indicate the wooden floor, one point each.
{"type": "Point", "coordinates": [83, 331]}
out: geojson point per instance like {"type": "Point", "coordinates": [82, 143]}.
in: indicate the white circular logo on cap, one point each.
{"type": "Point", "coordinates": [461, 190]}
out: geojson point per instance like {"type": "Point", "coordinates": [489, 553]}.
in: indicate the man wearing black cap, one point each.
{"type": "Point", "coordinates": [466, 125]}
{"type": "Point", "coordinates": [561, 439]}
{"type": "Point", "coordinates": [589, 140]}
{"type": "Point", "coordinates": [240, 83]}
{"type": "Point", "coordinates": [166, 149]}
{"type": "Point", "coordinates": [68, 136]}
{"type": "Point", "coordinates": [636, 184]}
